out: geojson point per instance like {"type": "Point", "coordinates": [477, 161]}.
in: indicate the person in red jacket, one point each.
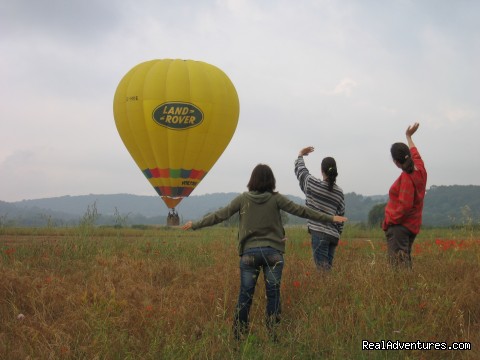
{"type": "Point", "coordinates": [403, 212]}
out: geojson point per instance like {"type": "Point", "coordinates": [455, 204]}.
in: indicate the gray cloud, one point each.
{"type": "Point", "coordinates": [347, 77]}
{"type": "Point", "coordinates": [67, 21]}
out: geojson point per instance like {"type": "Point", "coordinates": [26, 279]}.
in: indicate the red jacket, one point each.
{"type": "Point", "coordinates": [405, 203]}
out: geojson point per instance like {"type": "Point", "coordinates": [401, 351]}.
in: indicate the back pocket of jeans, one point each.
{"type": "Point", "coordinates": [274, 259]}
{"type": "Point", "coordinates": [248, 260]}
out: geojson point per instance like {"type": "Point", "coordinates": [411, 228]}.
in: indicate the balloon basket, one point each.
{"type": "Point", "coordinates": [173, 219]}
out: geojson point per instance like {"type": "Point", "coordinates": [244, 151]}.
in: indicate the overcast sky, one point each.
{"type": "Point", "coordinates": [346, 77]}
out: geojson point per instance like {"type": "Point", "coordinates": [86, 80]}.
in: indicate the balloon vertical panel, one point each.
{"type": "Point", "coordinates": [176, 118]}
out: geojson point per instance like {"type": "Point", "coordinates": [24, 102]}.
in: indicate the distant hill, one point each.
{"type": "Point", "coordinates": [68, 210]}
{"type": "Point", "coordinates": [148, 206]}
{"type": "Point", "coordinates": [456, 204]}
{"type": "Point", "coordinates": [444, 206]}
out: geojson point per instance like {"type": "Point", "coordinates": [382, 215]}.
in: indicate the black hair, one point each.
{"type": "Point", "coordinates": [262, 179]}
{"type": "Point", "coordinates": [329, 168]}
{"type": "Point", "coordinates": [401, 154]}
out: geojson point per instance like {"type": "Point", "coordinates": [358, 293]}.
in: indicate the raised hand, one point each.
{"type": "Point", "coordinates": [412, 129]}
{"type": "Point", "coordinates": [305, 151]}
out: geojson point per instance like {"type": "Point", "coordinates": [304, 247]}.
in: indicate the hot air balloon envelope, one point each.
{"type": "Point", "coordinates": [175, 117]}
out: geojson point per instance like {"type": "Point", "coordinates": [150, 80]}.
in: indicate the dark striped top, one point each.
{"type": "Point", "coordinates": [319, 198]}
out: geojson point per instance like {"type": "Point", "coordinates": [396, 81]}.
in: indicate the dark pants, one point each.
{"type": "Point", "coordinates": [399, 245]}
{"type": "Point", "coordinates": [251, 262]}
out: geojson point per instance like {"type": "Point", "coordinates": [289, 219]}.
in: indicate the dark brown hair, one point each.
{"type": "Point", "coordinates": [401, 154]}
{"type": "Point", "coordinates": [262, 179]}
{"type": "Point", "coordinates": [329, 168]}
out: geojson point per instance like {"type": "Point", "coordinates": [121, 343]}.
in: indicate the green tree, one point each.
{"type": "Point", "coordinates": [376, 214]}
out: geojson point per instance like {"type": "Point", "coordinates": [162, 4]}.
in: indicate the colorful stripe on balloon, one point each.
{"type": "Point", "coordinates": [173, 191]}
{"type": "Point", "coordinates": [174, 173]}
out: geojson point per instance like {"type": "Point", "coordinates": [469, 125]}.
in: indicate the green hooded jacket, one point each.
{"type": "Point", "coordinates": [260, 220]}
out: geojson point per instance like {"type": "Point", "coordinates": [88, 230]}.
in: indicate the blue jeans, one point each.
{"type": "Point", "coordinates": [251, 262]}
{"type": "Point", "coordinates": [323, 248]}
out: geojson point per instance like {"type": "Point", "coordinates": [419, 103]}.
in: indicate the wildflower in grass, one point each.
{"type": "Point", "coordinates": [446, 245]}
{"type": "Point", "coordinates": [439, 243]}
{"type": "Point", "coordinates": [417, 249]}
{"type": "Point", "coordinates": [296, 284]}
{"type": "Point", "coordinates": [148, 311]}
{"type": "Point", "coordinates": [422, 305]}
{"type": "Point", "coordinates": [10, 251]}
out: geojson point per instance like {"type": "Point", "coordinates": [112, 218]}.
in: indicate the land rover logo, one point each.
{"type": "Point", "coordinates": [177, 115]}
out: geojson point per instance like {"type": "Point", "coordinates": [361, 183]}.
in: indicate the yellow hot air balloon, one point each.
{"type": "Point", "coordinates": [175, 117]}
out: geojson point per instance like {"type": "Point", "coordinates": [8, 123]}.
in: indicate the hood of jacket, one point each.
{"type": "Point", "coordinates": [258, 197]}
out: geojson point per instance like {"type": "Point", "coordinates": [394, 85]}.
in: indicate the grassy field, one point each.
{"type": "Point", "coordinates": [98, 293]}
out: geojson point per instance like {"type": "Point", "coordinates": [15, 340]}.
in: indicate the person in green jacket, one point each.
{"type": "Point", "coordinates": [261, 242]}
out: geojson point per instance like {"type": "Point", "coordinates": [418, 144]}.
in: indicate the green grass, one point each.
{"type": "Point", "coordinates": [161, 293]}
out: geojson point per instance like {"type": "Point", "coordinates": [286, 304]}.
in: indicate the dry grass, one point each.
{"type": "Point", "coordinates": [168, 294]}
